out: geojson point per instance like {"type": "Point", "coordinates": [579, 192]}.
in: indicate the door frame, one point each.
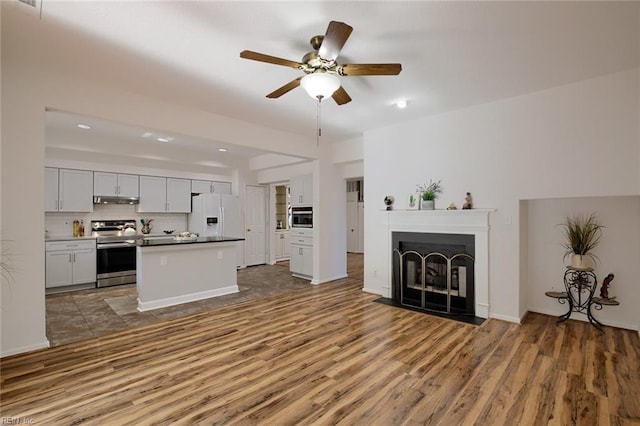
{"type": "Point", "coordinates": [267, 224]}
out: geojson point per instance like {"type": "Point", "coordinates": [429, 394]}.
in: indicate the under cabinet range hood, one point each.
{"type": "Point", "coordinates": [115, 200]}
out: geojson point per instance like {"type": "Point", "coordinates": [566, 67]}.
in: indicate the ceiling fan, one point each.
{"type": "Point", "coordinates": [321, 68]}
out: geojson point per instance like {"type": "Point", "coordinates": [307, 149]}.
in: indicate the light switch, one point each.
{"type": "Point", "coordinates": [220, 254]}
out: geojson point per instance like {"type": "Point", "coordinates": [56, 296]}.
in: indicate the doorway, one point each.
{"type": "Point", "coordinates": [355, 216]}
{"type": "Point", "coordinates": [256, 225]}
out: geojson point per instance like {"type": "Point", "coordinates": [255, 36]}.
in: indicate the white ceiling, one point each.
{"type": "Point", "coordinates": [453, 54]}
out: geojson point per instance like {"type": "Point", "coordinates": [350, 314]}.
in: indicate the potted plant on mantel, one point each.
{"type": "Point", "coordinates": [428, 194]}
{"type": "Point", "coordinates": [583, 234]}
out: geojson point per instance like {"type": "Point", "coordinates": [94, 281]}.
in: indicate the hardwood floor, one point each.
{"type": "Point", "coordinates": [329, 355]}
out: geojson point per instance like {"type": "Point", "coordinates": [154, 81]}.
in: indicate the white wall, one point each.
{"type": "Point", "coordinates": [575, 140]}
{"type": "Point", "coordinates": [28, 88]}
{"type": "Point", "coordinates": [329, 220]}
{"type": "Point", "coordinates": [618, 252]}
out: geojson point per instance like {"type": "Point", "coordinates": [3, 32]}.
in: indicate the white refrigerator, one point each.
{"type": "Point", "coordinates": [216, 215]}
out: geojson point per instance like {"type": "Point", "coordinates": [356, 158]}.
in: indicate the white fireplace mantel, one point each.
{"type": "Point", "coordinates": [469, 222]}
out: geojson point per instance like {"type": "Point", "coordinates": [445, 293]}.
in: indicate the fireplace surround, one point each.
{"type": "Point", "coordinates": [473, 223]}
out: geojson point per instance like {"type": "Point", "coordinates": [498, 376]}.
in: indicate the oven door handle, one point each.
{"type": "Point", "coordinates": [114, 245]}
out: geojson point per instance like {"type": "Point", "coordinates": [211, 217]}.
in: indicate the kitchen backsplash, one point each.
{"type": "Point", "coordinates": [61, 224]}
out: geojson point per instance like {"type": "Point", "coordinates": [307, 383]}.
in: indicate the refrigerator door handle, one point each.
{"type": "Point", "coordinates": [222, 224]}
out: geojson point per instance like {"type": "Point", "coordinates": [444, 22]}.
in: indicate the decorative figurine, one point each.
{"type": "Point", "coordinates": [468, 202]}
{"type": "Point", "coordinates": [452, 206]}
{"type": "Point", "coordinates": [388, 200]}
{"type": "Point", "coordinates": [604, 290]}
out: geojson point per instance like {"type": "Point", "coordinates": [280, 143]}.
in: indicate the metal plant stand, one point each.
{"type": "Point", "coordinates": [580, 285]}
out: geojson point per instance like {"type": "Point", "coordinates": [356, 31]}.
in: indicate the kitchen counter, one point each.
{"type": "Point", "coordinates": [168, 241]}
{"type": "Point", "coordinates": [67, 238]}
{"type": "Point", "coordinates": [171, 272]}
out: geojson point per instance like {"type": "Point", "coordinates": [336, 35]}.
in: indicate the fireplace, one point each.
{"type": "Point", "coordinates": [434, 271]}
{"type": "Point", "coordinates": [473, 224]}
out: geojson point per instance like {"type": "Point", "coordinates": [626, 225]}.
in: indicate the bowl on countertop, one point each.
{"type": "Point", "coordinates": [169, 232]}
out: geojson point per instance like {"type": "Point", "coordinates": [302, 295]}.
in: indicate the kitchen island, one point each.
{"type": "Point", "coordinates": [171, 271]}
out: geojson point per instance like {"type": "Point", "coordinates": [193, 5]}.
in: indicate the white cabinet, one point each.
{"type": "Point", "coordinates": [68, 190]}
{"type": "Point", "coordinates": [115, 184]}
{"type": "Point", "coordinates": [210, 187]}
{"type": "Point", "coordinates": [301, 260]}
{"type": "Point", "coordinates": [301, 190]}
{"type": "Point", "coordinates": [69, 263]}
{"type": "Point", "coordinates": [50, 189]}
{"type": "Point", "coordinates": [178, 195]}
{"type": "Point", "coordinates": [282, 245]}
{"type": "Point", "coordinates": [301, 252]}
{"type": "Point", "coordinates": [164, 195]}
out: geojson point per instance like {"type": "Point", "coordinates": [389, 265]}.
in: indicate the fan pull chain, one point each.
{"type": "Point", "coordinates": [318, 118]}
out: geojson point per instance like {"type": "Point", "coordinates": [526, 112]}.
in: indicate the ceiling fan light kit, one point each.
{"type": "Point", "coordinates": [321, 68]}
{"type": "Point", "coordinates": [320, 85]}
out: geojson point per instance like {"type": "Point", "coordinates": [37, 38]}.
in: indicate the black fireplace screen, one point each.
{"type": "Point", "coordinates": [434, 271]}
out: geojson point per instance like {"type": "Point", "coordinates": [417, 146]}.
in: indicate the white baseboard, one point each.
{"type": "Point", "coordinates": [507, 318]}
{"type": "Point", "coordinates": [583, 317]}
{"type": "Point", "coordinates": [171, 301]}
{"type": "Point", "coordinates": [326, 280]}
{"type": "Point", "coordinates": [372, 291]}
{"type": "Point", "coordinates": [42, 345]}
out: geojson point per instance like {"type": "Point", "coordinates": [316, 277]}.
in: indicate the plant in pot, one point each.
{"type": "Point", "coordinates": [582, 235]}
{"type": "Point", "coordinates": [428, 194]}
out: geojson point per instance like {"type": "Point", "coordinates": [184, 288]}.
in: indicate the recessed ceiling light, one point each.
{"type": "Point", "coordinates": [163, 139]}
{"type": "Point", "coordinates": [222, 149]}
{"type": "Point", "coordinates": [401, 104]}
{"type": "Point", "coordinates": [147, 134]}
{"type": "Point", "coordinates": [84, 126]}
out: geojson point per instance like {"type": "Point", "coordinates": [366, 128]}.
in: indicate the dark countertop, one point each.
{"type": "Point", "coordinates": [171, 241]}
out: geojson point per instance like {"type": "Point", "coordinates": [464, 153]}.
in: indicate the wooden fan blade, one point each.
{"type": "Point", "coordinates": [371, 69]}
{"type": "Point", "coordinates": [335, 37]}
{"type": "Point", "coordinates": [284, 89]}
{"type": "Point", "coordinates": [248, 54]}
{"type": "Point", "coordinates": [341, 96]}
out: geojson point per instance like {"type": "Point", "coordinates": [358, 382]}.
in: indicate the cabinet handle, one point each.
{"type": "Point", "coordinates": [57, 204]}
{"type": "Point", "coordinates": [70, 258]}
{"type": "Point", "coordinates": [74, 257]}
{"type": "Point", "coordinates": [300, 251]}
{"type": "Point", "coordinates": [60, 205]}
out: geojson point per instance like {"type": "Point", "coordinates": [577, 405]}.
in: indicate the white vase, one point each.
{"type": "Point", "coordinates": [579, 261]}
{"type": "Point", "coordinates": [427, 204]}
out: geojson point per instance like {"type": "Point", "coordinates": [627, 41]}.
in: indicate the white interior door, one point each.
{"type": "Point", "coordinates": [255, 225]}
{"type": "Point", "coordinates": [352, 226]}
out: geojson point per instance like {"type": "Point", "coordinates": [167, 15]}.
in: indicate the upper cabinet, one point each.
{"type": "Point", "coordinates": [210, 187]}
{"type": "Point", "coordinates": [50, 189]}
{"type": "Point", "coordinates": [164, 195]}
{"type": "Point", "coordinates": [115, 185]}
{"type": "Point", "coordinates": [301, 188]}
{"type": "Point", "coordinates": [68, 190]}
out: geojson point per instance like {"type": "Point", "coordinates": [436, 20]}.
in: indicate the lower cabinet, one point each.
{"type": "Point", "coordinates": [282, 245]}
{"type": "Point", "coordinates": [301, 260]}
{"type": "Point", "coordinates": [70, 263]}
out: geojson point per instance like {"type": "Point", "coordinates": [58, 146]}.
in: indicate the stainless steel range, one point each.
{"type": "Point", "coordinates": [116, 251]}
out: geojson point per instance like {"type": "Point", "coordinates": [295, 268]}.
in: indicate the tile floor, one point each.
{"type": "Point", "coordinates": [85, 314]}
